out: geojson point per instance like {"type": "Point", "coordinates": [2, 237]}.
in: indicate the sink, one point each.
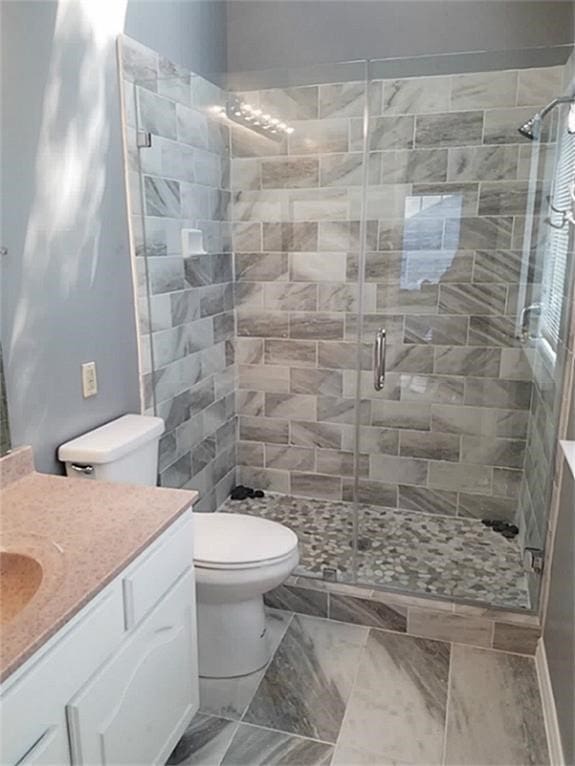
{"type": "Point", "coordinates": [20, 578]}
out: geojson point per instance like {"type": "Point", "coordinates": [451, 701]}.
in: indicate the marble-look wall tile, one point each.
{"type": "Point", "coordinates": [501, 125]}
{"type": "Point", "coordinates": [449, 129]}
{"type": "Point", "coordinates": [414, 166]}
{"type": "Point", "coordinates": [309, 434]}
{"type": "Point", "coordinates": [290, 406]}
{"type": "Point", "coordinates": [505, 453]}
{"type": "Point", "coordinates": [391, 133]}
{"type": "Point", "coordinates": [288, 173]}
{"type": "Point", "coordinates": [417, 95]}
{"type": "Point", "coordinates": [319, 136]}
{"type": "Point", "coordinates": [434, 330]}
{"type": "Point", "coordinates": [401, 470]}
{"type": "Point", "coordinates": [262, 267]}
{"type": "Point", "coordinates": [484, 163]}
{"type": "Point", "coordinates": [472, 299]}
{"type": "Point", "coordinates": [427, 500]}
{"type": "Point", "coordinates": [483, 90]}
{"type": "Point", "coordinates": [483, 507]}
{"type": "Point", "coordinates": [459, 477]}
{"type": "Point", "coordinates": [289, 458]}
{"type": "Point", "coordinates": [409, 415]}
{"type": "Point", "coordinates": [293, 352]}
{"type": "Point", "coordinates": [156, 114]}
{"type": "Point", "coordinates": [456, 360]}
{"type": "Point", "coordinates": [316, 381]}
{"type": "Point", "coordinates": [507, 394]}
{"type": "Point", "coordinates": [341, 100]}
{"type": "Point", "coordinates": [260, 429]}
{"type": "Point", "coordinates": [539, 86]}
{"type": "Point", "coordinates": [297, 237]}
{"type": "Point", "coordinates": [299, 103]}
{"type": "Point", "coordinates": [429, 445]}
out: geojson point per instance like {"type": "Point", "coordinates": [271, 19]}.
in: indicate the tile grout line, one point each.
{"type": "Point", "coordinates": [447, 705]}
{"type": "Point", "coordinates": [286, 733]}
{"type": "Point", "coordinates": [351, 691]}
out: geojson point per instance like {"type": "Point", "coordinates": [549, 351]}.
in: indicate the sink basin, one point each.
{"type": "Point", "coordinates": [20, 578]}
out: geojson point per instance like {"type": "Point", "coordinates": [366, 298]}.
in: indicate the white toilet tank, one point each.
{"type": "Point", "coordinates": [124, 450]}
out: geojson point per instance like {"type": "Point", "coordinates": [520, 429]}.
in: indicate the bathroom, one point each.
{"type": "Point", "coordinates": [325, 249]}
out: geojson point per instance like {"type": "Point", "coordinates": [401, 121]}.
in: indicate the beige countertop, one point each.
{"type": "Point", "coordinates": [83, 533]}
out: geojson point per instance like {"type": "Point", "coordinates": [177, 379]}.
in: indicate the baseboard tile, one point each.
{"type": "Point", "coordinates": [549, 710]}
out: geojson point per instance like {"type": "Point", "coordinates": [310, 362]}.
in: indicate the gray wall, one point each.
{"type": "Point", "coordinates": [67, 285]}
{"type": "Point", "coordinates": [558, 633]}
{"type": "Point", "coordinates": [191, 33]}
{"type": "Point", "coordinates": [292, 33]}
{"type": "Point", "coordinates": [67, 291]}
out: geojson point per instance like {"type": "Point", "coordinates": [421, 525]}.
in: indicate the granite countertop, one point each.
{"type": "Point", "coordinates": [82, 532]}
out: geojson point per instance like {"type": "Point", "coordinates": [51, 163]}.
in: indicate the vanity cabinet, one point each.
{"type": "Point", "coordinates": [136, 705]}
{"type": "Point", "coordinates": [119, 683]}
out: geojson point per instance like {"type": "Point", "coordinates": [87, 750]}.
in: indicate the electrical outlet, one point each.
{"type": "Point", "coordinates": [89, 380]}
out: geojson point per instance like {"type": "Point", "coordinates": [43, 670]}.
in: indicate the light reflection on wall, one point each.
{"type": "Point", "coordinates": [429, 245]}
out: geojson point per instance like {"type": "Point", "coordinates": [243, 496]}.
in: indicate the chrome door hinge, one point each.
{"type": "Point", "coordinates": [143, 139]}
{"type": "Point", "coordinates": [533, 560]}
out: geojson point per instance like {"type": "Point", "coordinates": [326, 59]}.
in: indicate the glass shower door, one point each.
{"type": "Point", "coordinates": [543, 315]}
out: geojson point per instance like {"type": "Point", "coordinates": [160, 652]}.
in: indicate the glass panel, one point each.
{"type": "Point", "coordinates": [445, 440]}
{"type": "Point", "coordinates": [297, 210]}
{"type": "Point", "coordinates": [351, 198]}
{"type": "Point", "coordinates": [543, 317]}
{"type": "Point", "coordinates": [185, 268]}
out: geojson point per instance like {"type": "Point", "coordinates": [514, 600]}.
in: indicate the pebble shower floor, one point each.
{"type": "Point", "coordinates": [442, 556]}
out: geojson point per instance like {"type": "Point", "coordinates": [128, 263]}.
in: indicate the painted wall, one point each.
{"type": "Point", "coordinates": [263, 34]}
{"type": "Point", "coordinates": [191, 33]}
{"type": "Point", "coordinates": [67, 294]}
{"type": "Point", "coordinates": [67, 284]}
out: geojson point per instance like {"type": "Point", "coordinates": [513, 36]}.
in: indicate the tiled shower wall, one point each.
{"type": "Point", "coordinates": [448, 177]}
{"type": "Point", "coordinates": [187, 328]}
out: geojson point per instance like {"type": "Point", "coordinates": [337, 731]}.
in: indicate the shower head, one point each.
{"type": "Point", "coordinates": [529, 130]}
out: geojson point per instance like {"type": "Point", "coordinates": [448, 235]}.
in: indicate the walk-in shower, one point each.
{"type": "Point", "coordinates": [354, 333]}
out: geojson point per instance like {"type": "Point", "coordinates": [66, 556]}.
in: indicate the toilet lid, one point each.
{"type": "Point", "coordinates": [227, 539]}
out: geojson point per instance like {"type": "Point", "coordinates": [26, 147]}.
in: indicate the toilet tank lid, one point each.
{"type": "Point", "coordinates": [113, 440]}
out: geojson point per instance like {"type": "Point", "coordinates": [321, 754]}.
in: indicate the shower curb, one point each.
{"type": "Point", "coordinates": [485, 627]}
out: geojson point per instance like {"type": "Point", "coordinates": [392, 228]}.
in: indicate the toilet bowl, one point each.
{"type": "Point", "coordinates": [237, 558]}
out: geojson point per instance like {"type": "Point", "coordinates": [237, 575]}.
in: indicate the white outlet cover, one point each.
{"type": "Point", "coordinates": [89, 380]}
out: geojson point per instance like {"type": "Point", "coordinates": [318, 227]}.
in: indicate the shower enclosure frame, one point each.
{"type": "Point", "coordinates": [370, 70]}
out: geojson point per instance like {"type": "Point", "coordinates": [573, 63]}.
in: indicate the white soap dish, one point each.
{"type": "Point", "coordinates": [192, 242]}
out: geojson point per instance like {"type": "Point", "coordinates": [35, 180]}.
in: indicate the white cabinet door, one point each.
{"type": "Point", "coordinates": [137, 706]}
{"type": "Point", "coordinates": [50, 750]}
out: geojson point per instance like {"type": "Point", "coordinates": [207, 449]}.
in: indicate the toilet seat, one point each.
{"type": "Point", "coordinates": [240, 541]}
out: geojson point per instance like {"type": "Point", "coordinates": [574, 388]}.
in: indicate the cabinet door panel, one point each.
{"type": "Point", "coordinates": [51, 748]}
{"type": "Point", "coordinates": [136, 708]}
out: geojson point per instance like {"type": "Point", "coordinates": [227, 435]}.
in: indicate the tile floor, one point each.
{"type": "Point", "coordinates": [420, 553]}
{"type": "Point", "coordinates": [347, 695]}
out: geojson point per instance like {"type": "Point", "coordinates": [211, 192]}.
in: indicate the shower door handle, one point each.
{"type": "Point", "coordinates": [379, 359]}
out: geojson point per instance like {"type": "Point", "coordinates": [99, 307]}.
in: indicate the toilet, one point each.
{"type": "Point", "coordinates": [237, 558]}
